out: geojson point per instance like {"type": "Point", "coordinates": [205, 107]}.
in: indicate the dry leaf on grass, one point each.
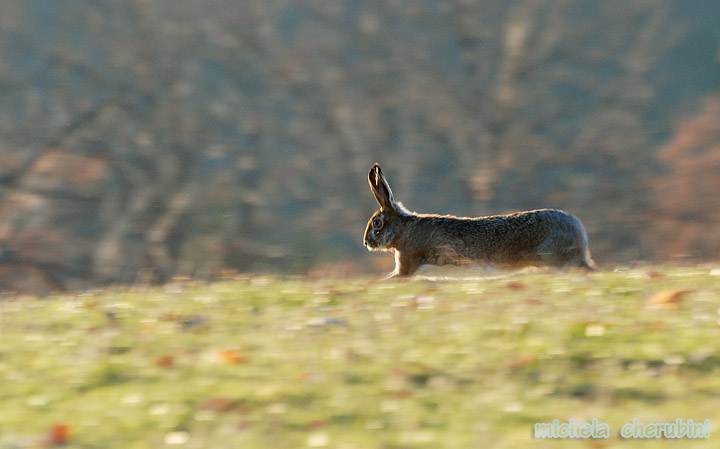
{"type": "Point", "coordinates": [666, 299]}
{"type": "Point", "coordinates": [59, 435]}
{"type": "Point", "coordinates": [231, 356]}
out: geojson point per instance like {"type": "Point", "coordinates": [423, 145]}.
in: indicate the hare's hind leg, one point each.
{"type": "Point", "coordinates": [562, 251]}
{"type": "Point", "coordinates": [586, 262]}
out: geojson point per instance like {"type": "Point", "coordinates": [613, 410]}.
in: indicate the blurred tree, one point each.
{"type": "Point", "coordinates": [687, 219]}
{"type": "Point", "coordinates": [140, 140]}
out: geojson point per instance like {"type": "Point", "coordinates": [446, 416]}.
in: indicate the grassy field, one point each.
{"type": "Point", "coordinates": [359, 364]}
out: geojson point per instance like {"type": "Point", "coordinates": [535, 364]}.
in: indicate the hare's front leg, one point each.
{"type": "Point", "coordinates": [405, 264]}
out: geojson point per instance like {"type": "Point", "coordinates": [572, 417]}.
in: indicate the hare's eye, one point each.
{"type": "Point", "coordinates": [376, 223]}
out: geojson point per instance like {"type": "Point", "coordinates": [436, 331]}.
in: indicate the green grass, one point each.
{"type": "Point", "coordinates": [359, 364]}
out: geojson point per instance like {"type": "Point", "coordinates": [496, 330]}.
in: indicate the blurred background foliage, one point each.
{"type": "Point", "coordinates": [145, 139]}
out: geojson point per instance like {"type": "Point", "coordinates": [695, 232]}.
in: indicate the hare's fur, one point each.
{"type": "Point", "coordinates": [540, 237]}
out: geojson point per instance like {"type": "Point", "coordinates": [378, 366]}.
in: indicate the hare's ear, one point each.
{"type": "Point", "coordinates": [380, 188]}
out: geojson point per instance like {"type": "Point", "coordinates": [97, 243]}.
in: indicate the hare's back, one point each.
{"type": "Point", "coordinates": [546, 235]}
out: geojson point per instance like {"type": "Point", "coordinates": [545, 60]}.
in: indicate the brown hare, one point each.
{"type": "Point", "coordinates": [540, 237]}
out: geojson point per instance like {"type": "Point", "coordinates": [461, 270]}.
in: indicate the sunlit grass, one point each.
{"type": "Point", "coordinates": [267, 363]}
